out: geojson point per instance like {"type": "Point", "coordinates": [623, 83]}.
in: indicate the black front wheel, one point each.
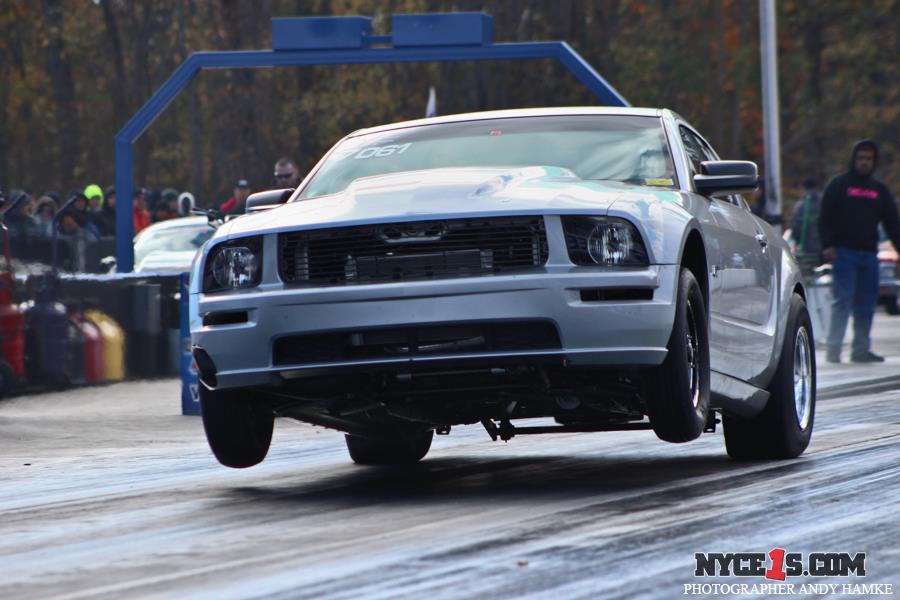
{"type": "Point", "coordinates": [677, 392]}
{"type": "Point", "coordinates": [238, 426]}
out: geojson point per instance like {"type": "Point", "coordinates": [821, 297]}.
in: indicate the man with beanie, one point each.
{"type": "Point", "coordinates": [853, 205]}
{"type": "Point", "coordinates": [94, 194]}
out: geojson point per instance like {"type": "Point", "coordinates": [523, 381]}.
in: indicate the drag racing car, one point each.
{"type": "Point", "coordinates": [594, 267]}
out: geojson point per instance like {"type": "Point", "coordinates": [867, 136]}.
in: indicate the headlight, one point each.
{"type": "Point", "coordinates": [233, 265]}
{"type": "Point", "coordinates": [604, 241]}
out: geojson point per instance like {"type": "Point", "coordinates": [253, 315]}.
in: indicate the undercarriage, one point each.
{"type": "Point", "coordinates": [378, 404]}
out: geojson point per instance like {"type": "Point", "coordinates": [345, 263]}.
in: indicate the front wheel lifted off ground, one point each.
{"type": "Point", "coordinates": [677, 392]}
{"type": "Point", "coordinates": [784, 427]}
{"type": "Point", "coordinates": [238, 426]}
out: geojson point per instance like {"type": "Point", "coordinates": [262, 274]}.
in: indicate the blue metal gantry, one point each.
{"type": "Point", "coordinates": [309, 41]}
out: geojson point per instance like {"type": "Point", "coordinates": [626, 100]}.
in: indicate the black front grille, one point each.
{"type": "Point", "coordinates": [452, 339]}
{"type": "Point", "coordinates": [412, 251]}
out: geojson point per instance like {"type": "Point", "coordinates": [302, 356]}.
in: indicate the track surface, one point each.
{"type": "Point", "coordinates": [128, 502]}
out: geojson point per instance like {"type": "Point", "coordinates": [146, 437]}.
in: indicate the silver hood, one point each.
{"type": "Point", "coordinates": [441, 193]}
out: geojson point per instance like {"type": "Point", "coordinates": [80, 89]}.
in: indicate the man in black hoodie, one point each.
{"type": "Point", "coordinates": [853, 205]}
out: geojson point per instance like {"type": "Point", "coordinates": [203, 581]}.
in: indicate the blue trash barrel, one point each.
{"type": "Point", "coordinates": [46, 343]}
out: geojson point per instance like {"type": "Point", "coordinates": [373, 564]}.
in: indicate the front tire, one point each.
{"type": "Point", "coordinates": [238, 426]}
{"type": "Point", "coordinates": [402, 449]}
{"type": "Point", "coordinates": [784, 427]}
{"type": "Point", "coordinates": [677, 392]}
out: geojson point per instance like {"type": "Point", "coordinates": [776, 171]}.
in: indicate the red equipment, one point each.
{"type": "Point", "coordinates": [93, 349]}
{"type": "Point", "coordinates": [12, 325]}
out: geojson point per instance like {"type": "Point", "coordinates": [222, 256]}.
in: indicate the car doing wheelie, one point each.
{"type": "Point", "coordinates": [595, 266]}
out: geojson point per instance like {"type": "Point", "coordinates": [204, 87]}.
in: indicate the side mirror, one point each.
{"type": "Point", "coordinates": [266, 200]}
{"type": "Point", "coordinates": [726, 177]}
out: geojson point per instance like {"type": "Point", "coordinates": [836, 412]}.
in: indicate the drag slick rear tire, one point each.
{"type": "Point", "coordinates": [401, 449]}
{"type": "Point", "coordinates": [677, 392]}
{"type": "Point", "coordinates": [784, 427]}
{"type": "Point", "coordinates": [238, 426]}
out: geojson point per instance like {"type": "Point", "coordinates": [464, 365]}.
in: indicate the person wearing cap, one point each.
{"type": "Point", "coordinates": [238, 201]}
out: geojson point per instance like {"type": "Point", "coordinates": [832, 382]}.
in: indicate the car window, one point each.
{"type": "Point", "coordinates": [693, 148]}
{"type": "Point", "coordinates": [625, 148]}
{"type": "Point", "coordinates": [712, 155]}
{"type": "Point", "coordinates": [176, 239]}
{"type": "Point", "coordinates": [699, 150]}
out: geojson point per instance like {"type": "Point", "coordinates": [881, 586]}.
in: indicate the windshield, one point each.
{"type": "Point", "coordinates": [177, 239]}
{"type": "Point", "coordinates": [630, 149]}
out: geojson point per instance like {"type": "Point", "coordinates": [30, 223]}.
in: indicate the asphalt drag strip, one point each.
{"type": "Point", "coordinates": [100, 502]}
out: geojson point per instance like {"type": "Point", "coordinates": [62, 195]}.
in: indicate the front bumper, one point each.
{"type": "Point", "coordinates": [591, 332]}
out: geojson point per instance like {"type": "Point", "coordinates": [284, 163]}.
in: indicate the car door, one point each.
{"type": "Point", "coordinates": [742, 298]}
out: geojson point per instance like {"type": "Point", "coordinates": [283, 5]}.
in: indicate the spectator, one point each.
{"type": "Point", "coordinates": [74, 219]}
{"type": "Point", "coordinates": [186, 204]}
{"type": "Point", "coordinates": [20, 225]}
{"type": "Point", "coordinates": [171, 198]}
{"type": "Point", "coordinates": [853, 205]}
{"type": "Point", "coordinates": [141, 216]}
{"type": "Point", "coordinates": [804, 225]}
{"type": "Point", "coordinates": [68, 224]}
{"type": "Point", "coordinates": [238, 201]}
{"type": "Point", "coordinates": [94, 195]}
{"type": "Point", "coordinates": [166, 207]}
{"type": "Point", "coordinates": [43, 217]}
{"type": "Point", "coordinates": [287, 175]}
{"type": "Point", "coordinates": [108, 210]}
{"type": "Point", "coordinates": [94, 211]}
{"type": "Point", "coordinates": [160, 212]}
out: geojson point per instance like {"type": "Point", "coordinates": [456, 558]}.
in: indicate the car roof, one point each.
{"type": "Point", "coordinates": [517, 113]}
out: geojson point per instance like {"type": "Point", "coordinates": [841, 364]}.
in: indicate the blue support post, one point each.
{"type": "Point", "coordinates": [124, 202]}
{"type": "Point", "coordinates": [591, 79]}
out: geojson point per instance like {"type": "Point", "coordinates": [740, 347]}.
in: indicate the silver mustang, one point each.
{"type": "Point", "coordinates": [593, 266]}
